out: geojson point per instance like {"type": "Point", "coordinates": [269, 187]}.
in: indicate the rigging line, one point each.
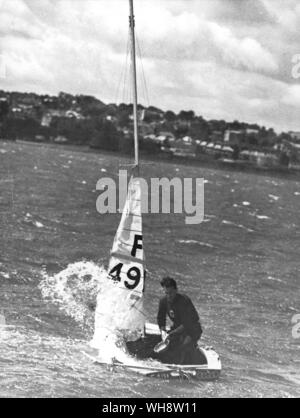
{"type": "Point", "coordinates": [143, 73]}
{"type": "Point", "coordinates": [130, 97]}
{"type": "Point", "coordinates": [123, 71]}
{"type": "Point", "coordinates": [130, 83]}
{"type": "Point", "coordinates": [125, 82]}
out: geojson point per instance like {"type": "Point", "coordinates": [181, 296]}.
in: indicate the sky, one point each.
{"type": "Point", "coordinates": [224, 59]}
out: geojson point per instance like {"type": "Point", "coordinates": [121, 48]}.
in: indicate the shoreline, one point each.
{"type": "Point", "coordinates": [202, 161]}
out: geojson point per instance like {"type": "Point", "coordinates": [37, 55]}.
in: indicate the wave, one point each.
{"type": "Point", "coordinates": [224, 222]}
{"type": "Point", "coordinates": [83, 292]}
{"type": "Point", "coordinates": [74, 290]}
{"type": "Point", "coordinates": [195, 242]}
{"type": "Point", "coordinates": [262, 217]}
{"type": "Point", "coordinates": [273, 197]}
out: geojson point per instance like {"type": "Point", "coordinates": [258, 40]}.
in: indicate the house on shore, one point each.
{"type": "Point", "coordinates": [184, 147]}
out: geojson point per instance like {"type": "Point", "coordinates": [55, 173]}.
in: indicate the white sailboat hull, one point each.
{"type": "Point", "coordinates": [209, 369]}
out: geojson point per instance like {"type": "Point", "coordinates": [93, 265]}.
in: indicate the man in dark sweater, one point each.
{"type": "Point", "coordinates": [186, 328]}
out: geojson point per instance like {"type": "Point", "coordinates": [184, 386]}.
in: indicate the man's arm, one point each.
{"type": "Point", "coordinates": [176, 331]}
{"type": "Point", "coordinates": [162, 314]}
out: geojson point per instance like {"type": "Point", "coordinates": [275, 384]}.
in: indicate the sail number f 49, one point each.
{"type": "Point", "coordinates": [134, 272]}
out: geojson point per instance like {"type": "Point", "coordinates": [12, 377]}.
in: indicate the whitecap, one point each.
{"type": "Point", "coordinates": [227, 222]}
{"type": "Point", "coordinates": [273, 197]}
{"type": "Point", "coordinates": [246, 203]}
{"type": "Point", "coordinates": [192, 241]}
{"type": "Point", "coordinates": [5, 275]}
{"type": "Point", "coordinates": [274, 279]}
{"type": "Point", "coordinates": [224, 222]}
{"type": "Point", "coordinates": [262, 217]}
{"type": "Point", "coordinates": [39, 224]}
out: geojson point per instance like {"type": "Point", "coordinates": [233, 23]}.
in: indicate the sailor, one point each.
{"type": "Point", "coordinates": [186, 328]}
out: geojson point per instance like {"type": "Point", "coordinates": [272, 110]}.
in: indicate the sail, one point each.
{"type": "Point", "coordinates": [120, 300]}
{"type": "Point", "coordinates": [126, 266]}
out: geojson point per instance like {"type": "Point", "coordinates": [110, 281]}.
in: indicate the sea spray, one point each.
{"type": "Point", "coordinates": [74, 290]}
{"type": "Point", "coordinates": [84, 292]}
{"type": "Point", "coordinates": [118, 318]}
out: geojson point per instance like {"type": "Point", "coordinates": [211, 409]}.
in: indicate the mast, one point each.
{"type": "Point", "coordinates": [133, 58]}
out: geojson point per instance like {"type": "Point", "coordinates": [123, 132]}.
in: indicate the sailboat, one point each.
{"type": "Point", "coordinates": [126, 286]}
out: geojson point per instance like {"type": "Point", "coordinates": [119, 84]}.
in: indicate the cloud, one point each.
{"type": "Point", "coordinates": [245, 52]}
{"type": "Point", "coordinates": [223, 58]}
{"type": "Point", "coordinates": [292, 96]}
{"type": "Point", "coordinates": [237, 12]}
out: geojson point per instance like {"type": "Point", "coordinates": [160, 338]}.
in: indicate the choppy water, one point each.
{"type": "Point", "coordinates": [240, 266]}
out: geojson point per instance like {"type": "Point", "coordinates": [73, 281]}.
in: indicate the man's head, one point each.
{"type": "Point", "coordinates": [170, 288]}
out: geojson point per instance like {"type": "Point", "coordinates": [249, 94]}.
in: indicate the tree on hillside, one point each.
{"type": "Point", "coordinates": [235, 125]}
{"type": "Point", "coordinates": [199, 130]}
{"type": "Point", "coordinates": [4, 108]}
{"type": "Point", "coordinates": [21, 128]}
{"type": "Point", "coordinates": [182, 130]}
{"type": "Point", "coordinates": [252, 140]}
{"type": "Point", "coordinates": [105, 136]}
{"type": "Point", "coordinates": [65, 100]}
{"type": "Point", "coordinates": [170, 116]}
{"type": "Point", "coordinates": [123, 118]}
{"type": "Point", "coordinates": [186, 115]}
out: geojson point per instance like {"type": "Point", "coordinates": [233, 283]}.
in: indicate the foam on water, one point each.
{"type": "Point", "coordinates": [262, 217]}
{"type": "Point", "coordinates": [195, 242]}
{"type": "Point", "coordinates": [83, 288]}
{"type": "Point", "coordinates": [39, 224]}
{"type": "Point", "coordinates": [225, 222]}
{"type": "Point", "coordinates": [273, 197]}
{"type": "Point", "coordinates": [74, 290]}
